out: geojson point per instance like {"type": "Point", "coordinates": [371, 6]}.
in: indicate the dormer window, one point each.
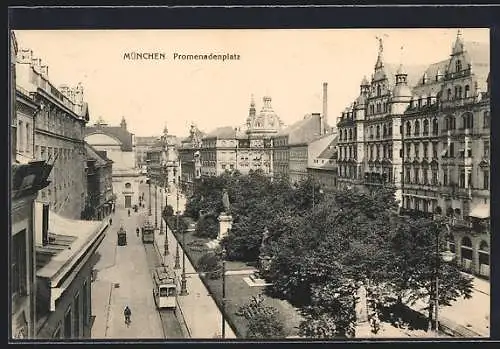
{"type": "Point", "coordinates": [458, 66]}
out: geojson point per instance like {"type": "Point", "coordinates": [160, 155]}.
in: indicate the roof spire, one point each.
{"type": "Point", "coordinates": [459, 44]}
{"type": "Point", "coordinates": [380, 58]}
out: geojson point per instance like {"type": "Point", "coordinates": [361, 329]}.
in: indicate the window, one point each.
{"type": "Point", "coordinates": [378, 131]}
{"type": "Point", "coordinates": [434, 177]}
{"type": "Point", "coordinates": [378, 108]}
{"type": "Point", "coordinates": [467, 91]}
{"type": "Point", "coordinates": [20, 139]}
{"type": "Point", "coordinates": [486, 180]}
{"type": "Point", "coordinates": [408, 128]}
{"type": "Point", "coordinates": [445, 177]}
{"type": "Point", "coordinates": [426, 127]}
{"type": "Point", "coordinates": [415, 175]}
{"type": "Point", "coordinates": [417, 150]}
{"type": "Point", "coordinates": [426, 150]}
{"type": "Point", "coordinates": [458, 66]}
{"type": "Point", "coordinates": [434, 126]}
{"type": "Point", "coordinates": [379, 90]}
{"type": "Point", "coordinates": [461, 179]}
{"type": "Point", "coordinates": [425, 178]}
{"type": "Point", "coordinates": [486, 119]}
{"type": "Point", "coordinates": [486, 149]}
{"type": "Point", "coordinates": [459, 91]}
{"type": "Point", "coordinates": [434, 150]}
{"type": "Point", "coordinates": [448, 94]}
{"type": "Point", "coordinates": [76, 317]}
{"type": "Point", "coordinates": [452, 150]}
{"type": "Point", "coordinates": [417, 128]}
{"type": "Point", "coordinates": [401, 153]}
{"type": "Point", "coordinates": [67, 324]}
{"type": "Point", "coordinates": [429, 100]}
{"type": "Point", "coordinates": [128, 185]}
{"type": "Point", "coordinates": [27, 138]}
{"type": "Point", "coordinates": [18, 264]}
{"type": "Point", "coordinates": [408, 150]}
{"type": "Point", "coordinates": [407, 176]}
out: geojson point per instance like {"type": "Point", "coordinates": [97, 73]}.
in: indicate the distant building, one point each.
{"type": "Point", "coordinates": [218, 151]}
{"type": "Point", "coordinates": [50, 124]}
{"type": "Point", "coordinates": [119, 145]}
{"type": "Point", "coordinates": [162, 160]}
{"type": "Point", "coordinates": [190, 158]}
{"type": "Point", "coordinates": [290, 147]}
{"type": "Point", "coordinates": [64, 261]}
{"type": "Point", "coordinates": [322, 161]}
{"type": "Point", "coordinates": [142, 145]}
{"type": "Point", "coordinates": [99, 184]}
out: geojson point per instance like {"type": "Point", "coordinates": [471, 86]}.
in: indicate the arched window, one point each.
{"type": "Point", "coordinates": [426, 127]}
{"type": "Point", "coordinates": [459, 91]}
{"type": "Point", "coordinates": [378, 108]}
{"type": "Point", "coordinates": [434, 126]}
{"type": "Point", "coordinates": [467, 91]}
{"type": "Point", "coordinates": [458, 65]}
{"type": "Point", "coordinates": [371, 131]}
{"type": "Point", "coordinates": [378, 131]}
{"type": "Point", "coordinates": [384, 131]}
{"type": "Point", "coordinates": [466, 251]}
{"type": "Point", "coordinates": [448, 94]}
{"type": "Point", "coordinates": [379, 90]}
{"type": "Point", "coordinates": [408, 128]}
{"type": "Point", "coordinates": [350, 134]}
{"type": "Point", "coordinates": [417, 128]}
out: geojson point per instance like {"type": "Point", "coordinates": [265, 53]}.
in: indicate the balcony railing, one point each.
{"type": "Point", "coordinates": [458, 102]}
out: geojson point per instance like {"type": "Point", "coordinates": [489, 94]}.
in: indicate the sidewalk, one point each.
{"type": "Point", "coordinates": [126, 268]}
{"type": "Point", "coordinates": [201, 314]}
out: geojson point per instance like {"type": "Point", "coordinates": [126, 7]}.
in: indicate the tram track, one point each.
{"type": "Point", "coordinates": [170, 323]}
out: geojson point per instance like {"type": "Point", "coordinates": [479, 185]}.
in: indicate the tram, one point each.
{"type": "Point", "coordinates": [148, 233]}
{"type": "Point", "coordinates": [165, 288]}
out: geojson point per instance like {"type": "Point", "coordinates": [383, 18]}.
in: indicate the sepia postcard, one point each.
{"type": "Point", "coordinates": [291, 184]}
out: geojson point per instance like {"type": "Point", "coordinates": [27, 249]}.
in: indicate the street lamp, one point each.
{"type": "Point", "coordinates": [183, 277]}
{"type": "Point", "coordinates": [156, 206]}
{"type": "Point", "coordinates": [445, 256]}
{"type": "Point", "coordinates": [149, 201]}
{"type": "Point", "coordinates": [177, 257]}
{"type": "Point", "coordinates": [223, 292]}
{"type": "Point", "coordinates": [165, 250]}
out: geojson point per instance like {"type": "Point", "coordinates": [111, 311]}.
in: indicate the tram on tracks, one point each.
{"type": "Point", "coordinates": [165, 288]}
{"type": "Point", "coordinates": [148, 233]}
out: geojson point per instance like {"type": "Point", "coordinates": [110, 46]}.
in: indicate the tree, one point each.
{"type": "Point", "coordinates": [210, 263]}
{"type": "Point", "coordinates": [417, 264]}
{"type": "Point", "coordinates": [263, 320]}
{"type": "Point", "coordinates": [207, 227]}
{"type": "Point", "coordinates": [168, 211]}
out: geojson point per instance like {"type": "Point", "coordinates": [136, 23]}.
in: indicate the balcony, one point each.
{"type": "Point", "coordinates": [458, 102]}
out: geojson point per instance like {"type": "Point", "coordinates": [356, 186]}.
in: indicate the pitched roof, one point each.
{"type": "Point", "coordinates": [225, 132]}
{"type": "Point", "coordinates": [329, 151]}
{"type": "Point", "coordinates": [99, 156]}
{"type": "Point", "coordinates": [118, 132]}
{"type": "Point", "coordinates": [414, 72]}
{"type": "Point", "coordinates": [479, 55]}
{"type": "Point", "coordinates": [303, 131]}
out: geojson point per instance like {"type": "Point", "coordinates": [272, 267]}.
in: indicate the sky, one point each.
{"type": "Point", "coordinates": [288, 65]}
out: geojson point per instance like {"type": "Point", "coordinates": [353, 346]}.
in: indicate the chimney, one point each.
{"type": "Point", "coordinates": [44, 69]}
{"type": "Point", "coordinates": [45, 224]}
{"type": "Point", "coordinates": [324, 117]}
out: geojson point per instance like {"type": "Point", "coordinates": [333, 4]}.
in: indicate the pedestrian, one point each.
{"type": "Point", "coordinates": [127, 313]}
{"type": "Point", "coordinates": [137, 231]}
{"type": "Point", "coordinates": [111, 221]}
{"type": "Point", "coordinates": [129, 212]}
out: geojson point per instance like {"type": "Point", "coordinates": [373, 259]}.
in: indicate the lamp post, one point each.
{"type": "Point", "coordinates": [445, 256]}
{"type": "Point", "coordinates": [177, 257]}
{"type": "Point", "coordinates": [149, 201]}
{"type": "Point", "coordinates": [156, 206]}
{"type": "Point", "coordinates": [223, 292]}
{"type": "Point", "coordinates": [183, 277]}
{"type": "Point", "coordinates": [161, 211]}
{"type": "Point", "coordinates": [165, 250]}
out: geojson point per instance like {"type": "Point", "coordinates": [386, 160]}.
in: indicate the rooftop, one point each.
{"type": "Point", "coordinates": [303, 131]}
{"type": "Point", "coordinates": [99, 156]}
{"type": "Point", "coordinates": [67, 238]}
{"type": "Point", "coordinates": [225, 132]}
{"type": "Point", "coordinates": [118, 132]}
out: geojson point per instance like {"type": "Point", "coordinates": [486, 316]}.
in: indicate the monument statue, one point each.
{"type": "Point", "coordinates": [361, 304]}
{"type": "Point", "coordinates": [264, 258]}
{"type": "Point", "coordinates": [225, 201]}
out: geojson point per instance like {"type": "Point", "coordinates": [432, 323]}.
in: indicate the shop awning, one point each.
{"type": "Point", "coordinates": [481, 211]}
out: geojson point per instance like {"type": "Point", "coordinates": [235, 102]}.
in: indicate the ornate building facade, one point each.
{"type": "Point", "coordinates": [190, 158]}
{"type": "Point", "coordinates": [55, 134]}
{"type": "Point", "coordinates": [430, 140]}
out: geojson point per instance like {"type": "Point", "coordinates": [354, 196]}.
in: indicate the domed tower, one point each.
{"type": "Point", "coordinates": [267, 122]}
{"type": "Point", "coordinates": [401, 93]}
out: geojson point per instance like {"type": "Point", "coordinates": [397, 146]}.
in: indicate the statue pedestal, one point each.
{"type": "Point", "coordinates": [225, 223]}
